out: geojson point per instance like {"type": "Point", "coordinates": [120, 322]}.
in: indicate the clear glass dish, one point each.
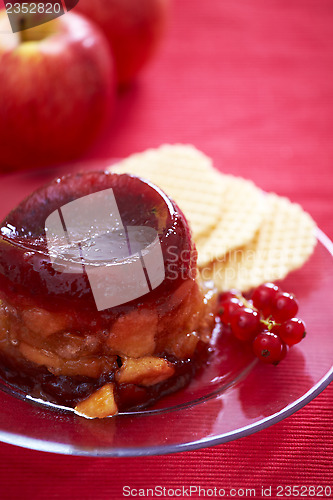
{"type": "Point", "coordinates": [233, 397]}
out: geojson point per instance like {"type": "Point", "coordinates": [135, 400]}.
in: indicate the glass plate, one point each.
{"type": "Point", "coordinates": [233, 397]}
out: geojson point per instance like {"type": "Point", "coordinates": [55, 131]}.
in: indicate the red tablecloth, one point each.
{"type": "Point", "coordinates": [251, 84]}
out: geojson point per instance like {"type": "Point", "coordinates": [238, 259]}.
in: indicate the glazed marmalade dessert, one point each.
{"type": "Point", "coordinates": [101, 308]}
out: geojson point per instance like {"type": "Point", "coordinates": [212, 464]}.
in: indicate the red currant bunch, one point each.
{"type": "Point", "coordinates": [267, 320]}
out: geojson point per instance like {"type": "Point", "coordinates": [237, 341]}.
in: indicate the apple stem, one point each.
{"type": "Point", "coordinates": [22, 26]}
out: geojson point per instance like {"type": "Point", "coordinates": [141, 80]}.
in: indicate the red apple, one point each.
{"type": "Point", "coordinates": [57, 86]}
{"type": "Point", "coordinates": [133, 28]}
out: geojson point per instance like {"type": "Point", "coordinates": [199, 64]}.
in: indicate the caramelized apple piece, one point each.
{"type": "Point", "coordinates": [186, 316]}
{"type": "Point", "coordinates": [144, 371]}
{"type": "Point", "coordinates": [88, 366]}
{"type": "Point", "coordinates": [207, 320]}
{"type": "Point", "coordinates": [43, 322]}
{"type": "Point", "coordinates": [99, 404]}
{"type": "Point", "coordinates": [72, 346]}
{"type": "Point", "coordinates": [39, 356]}
{"type": "Point", "coordinates": [181, 346]}
{"type": "Point", "coordinates": [133, 335]}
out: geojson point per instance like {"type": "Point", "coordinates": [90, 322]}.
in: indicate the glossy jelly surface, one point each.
{"type": "Point", "coordinates": [28, 274]}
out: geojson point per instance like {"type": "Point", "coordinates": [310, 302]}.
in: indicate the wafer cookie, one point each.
{"type": "Point", "coordinates": [241, 215]}
{"type": "Point", "coordinates": [283, 243]}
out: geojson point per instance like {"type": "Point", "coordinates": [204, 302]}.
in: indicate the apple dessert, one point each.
{"type": "Point", "coordinates": [101, 306]}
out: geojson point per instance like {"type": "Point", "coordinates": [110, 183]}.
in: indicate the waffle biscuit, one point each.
{"type": "Point", "coordinates": [241, 215]}
{"type": "Point", "coordinates": [187, 176]}
{"type": "Point", "coordinates": [284, 242]}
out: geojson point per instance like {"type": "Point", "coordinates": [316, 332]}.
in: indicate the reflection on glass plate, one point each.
{"type": "Point", "coordinates": [233, 397]}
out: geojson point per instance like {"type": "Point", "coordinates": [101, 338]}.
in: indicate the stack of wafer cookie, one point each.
{"type": "Point", "coordinates": [244, 236]}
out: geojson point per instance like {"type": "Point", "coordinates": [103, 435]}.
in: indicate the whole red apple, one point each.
{"type": "Point", "coordinates": [57, 88]}
{"type": "Point", "coordinates": [133, 28]}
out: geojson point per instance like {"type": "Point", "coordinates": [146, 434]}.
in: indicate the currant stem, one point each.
{"type": "Point", "coordinates": [269, 323]}
{"type": "Point", "coordinates": [245, 302]}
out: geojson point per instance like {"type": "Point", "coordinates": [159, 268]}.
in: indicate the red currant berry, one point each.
{"type": "Point", "coordinates": [292, 331]}
{"type": "Point", "coordinates": [263, 297]}
{"type": "Point", "coordinates": [284, 307]}
{"type": "Point", "coordinates": [245, 323]}
{"type": "Point", "coordinates": [230, 294]}
{"type": "Point", "coordinates": [227, 308]}
{"type": "Point", "coordinates": [269, 348]}
{"type": "Point", "coordinates": [273, 327]}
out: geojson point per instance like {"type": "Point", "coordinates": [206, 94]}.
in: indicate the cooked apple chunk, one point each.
{"type": "Point", "coordinates": [87, 366]}
{"type": "Point", "coordinates": [133, 334]}
{"type": "Point", "coordinates": [99, 404]}
{"type": "Point", "coordinates": [182, 346]}
{"type": "Point", "coordinates": [144, 371]}
{"type": "Point", "coordinates": [43, 322]}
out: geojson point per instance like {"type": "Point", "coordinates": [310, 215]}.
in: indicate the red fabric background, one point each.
{"type": "Point", "coordinates": [251, 84]}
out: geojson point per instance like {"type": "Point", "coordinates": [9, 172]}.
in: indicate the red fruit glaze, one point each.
{"type": "Point", "coordinates": [292, 331]}
{"type": "Point", "coordinates": [269, 348]}
{"type": "Point", "coordinates": [284, 307]}
{"type": "Point", "coordinates": [26, 272]}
